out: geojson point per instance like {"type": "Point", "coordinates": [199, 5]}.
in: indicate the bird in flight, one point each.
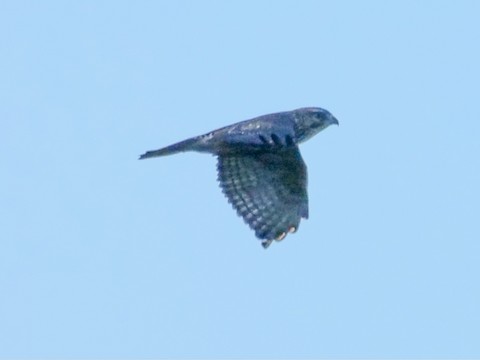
{"type": "Point", "coordinates": [260, 169]}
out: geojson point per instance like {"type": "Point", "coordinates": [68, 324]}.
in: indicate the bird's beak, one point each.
{"type": "Point", "coordinates": [334, 121]}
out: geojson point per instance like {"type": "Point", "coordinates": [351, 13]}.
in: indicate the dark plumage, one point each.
{"type": "Point", "coordinates": [260, 168]}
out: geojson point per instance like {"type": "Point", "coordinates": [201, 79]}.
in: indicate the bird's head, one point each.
{"type": "Point", "coordinates": [310, 121]}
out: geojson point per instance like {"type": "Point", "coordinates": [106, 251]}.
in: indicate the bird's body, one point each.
{"type": "Point", "coordinates": [260, 168]}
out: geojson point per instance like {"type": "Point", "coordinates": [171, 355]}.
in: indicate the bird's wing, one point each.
{"type": "Point", "coordinates": [267, 188]}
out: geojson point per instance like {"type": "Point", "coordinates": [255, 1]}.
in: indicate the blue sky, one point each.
{"type": "Point", "coordinates": [104, 256]}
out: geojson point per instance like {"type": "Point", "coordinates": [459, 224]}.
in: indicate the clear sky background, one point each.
{"type": "Point", "coordinates": [102, 255]}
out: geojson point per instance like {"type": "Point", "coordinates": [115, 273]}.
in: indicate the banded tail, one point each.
{"type": "Point", "coordinates": [185, 145]}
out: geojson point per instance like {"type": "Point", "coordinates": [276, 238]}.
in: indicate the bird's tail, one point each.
{"type": "Point", "coordinates": [185, 145]}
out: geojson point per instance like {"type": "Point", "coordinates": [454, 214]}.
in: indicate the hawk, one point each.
{"type": "Point", "coordinates": [260, 169]}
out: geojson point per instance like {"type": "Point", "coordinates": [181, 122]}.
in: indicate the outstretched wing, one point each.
{"type": "Point", "coordinates": [268, 188]}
